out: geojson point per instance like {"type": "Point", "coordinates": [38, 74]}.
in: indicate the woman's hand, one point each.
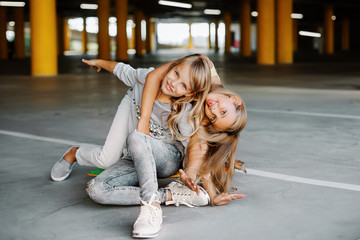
{"type": "Point", "coordinates": [93, 63]}
{"type": "Point", "coordinates": [189, 182]}
{"type": "Point", "coordinates": [225, 198]}
{"type": "Point", "coordinates": [143, 126]}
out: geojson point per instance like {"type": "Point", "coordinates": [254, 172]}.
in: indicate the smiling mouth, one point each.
{"type": "Point", "coordinates": [168, 87]}
{"type": "Point", "coordinates": [210, 103]}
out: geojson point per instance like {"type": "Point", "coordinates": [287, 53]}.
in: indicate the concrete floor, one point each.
{"type": "Point", "coordinates": [304, 121]}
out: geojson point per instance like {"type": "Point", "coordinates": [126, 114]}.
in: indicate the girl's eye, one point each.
{"type": "Point", "coordinates": [223, 112]}
{"type": "Point", "coordinates": [213, 118]}
{"type": "Point", "coordinates": [177, 74]}
{"type": "Point", "coordinates": [184, 86]}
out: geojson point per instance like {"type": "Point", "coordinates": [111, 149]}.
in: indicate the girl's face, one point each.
{"type": "Point", "coordinates": [221, 110]}
{"type": "Point", "coordinates": [176, 83]}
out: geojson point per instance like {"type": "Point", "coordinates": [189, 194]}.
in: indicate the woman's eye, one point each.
{"type": "Point", "coordinates": [213, 118]}
{"type": "Point", "coordinates": [223, 112]}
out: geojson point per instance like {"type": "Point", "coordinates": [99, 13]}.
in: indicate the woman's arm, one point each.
{"type": "Point", "coordinates": [151, 89]}
{"type": "Point", "coordinates": [99, 64]}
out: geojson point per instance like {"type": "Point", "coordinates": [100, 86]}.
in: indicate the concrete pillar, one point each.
{"type": "Point", "coordinates": [84, 37]}
{"type": "Point", "coordinates": [138, 41]}
{"type": "Point", "coordinates": [216, 35]}
{"type": "Point", "coordinates": [227, 21]}
{"type": "Point", "coordinates": [284, 33]}
{"type": "Point", "coordinates": [266, 32]}
{"type": "Point", "coordinates": [295, 35]}
{"type": "Point", "coordinates": [328, 30]}
{"type": "Point", "coordinates": [3, 27]}
{"type": "Point", "coordinates": [245, 28]}
{"type": "Point", "coordinates": [121, 14]}
{"type": "Point", "coordinates": [345, 41]}
{"type": "Point", "coordinates": [43, 37]}
{"type": "Point", "coordinates": [60, 34]}
{"type": "Point", "coordinates": [19, 33]}
{"type": "Point", "coordinates": [103, 13]}
{"type": "Point", "coordinates": [67, 35]}
{"type": "Point", "coordinates": [190, 45]}
{"type": "Point", "coordinates": [149, 34]}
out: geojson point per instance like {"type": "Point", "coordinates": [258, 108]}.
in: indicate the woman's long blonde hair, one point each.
{"type": "Point", "coordinates": [200, 83]}
{"type": "Point", "coordinates": [219, 161]}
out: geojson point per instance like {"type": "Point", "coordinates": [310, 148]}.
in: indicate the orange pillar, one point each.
{"type": "Point", "coordinates": [216, 35]}
{"type": "Point", "coordinates": [266, 32]}
{"type": "Point", "coordinates": [227, 21]}
{"type": "Point", "coordinates": [84, 37]}
{"type": "Point", "coordinates": [149, 34]}
{"type": "Point", "coordinates": [121, 13]}
{"type": "Point", "coordinates": [67, 34]}
{"type": "Point", "coordinates": [43, 37]}
{"type": "Point", "coordinates": [103, 35]}
{"type": "Point", "coordinates": [190, 46]}
{"type": "Point", "coordinates": [19, 33]}
{"type": "Point", "coordinates": [3, 27]}
{"type": "Point", "coordinates": [138, 41]}
{"type": "Point", "coordinates": [245, 28]}
{"type": "Point", "coordinates": [345, 41]}
{"type": "Point", "coordinates": [328, 30]}
{"type": "Point", "coordinates": [295, 35]}
{"type": "Point", "coordinates": [284, 33]}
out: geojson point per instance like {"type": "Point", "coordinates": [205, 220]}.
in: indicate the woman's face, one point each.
{"type": "Point", "coordinates": [221, 110]}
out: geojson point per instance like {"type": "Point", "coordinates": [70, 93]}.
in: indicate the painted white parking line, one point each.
{"type": "Point", "coordinates": [310, 181]}
{"type": "Point", "coordinates": [250, 171]}
{"type": "Point", "coordinates": [330, 115]}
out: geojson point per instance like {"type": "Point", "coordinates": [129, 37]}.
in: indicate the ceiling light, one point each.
{"type": "Point", "coordinates": [12, 4]}
{"type": "Point", "coordinates": [297, 16]}
{"type": "Point", "coordinates": [310, 34]}
{"type": "Point", "coordinates": [333, 17]}
{"type": "Point", "coordinates": [175, 4]}
{"type": "Point", "coordinates": [254, 13]}
{"type": "Point", "coordinates": [212, 11]}
{"type": "Point", "coordinates": [88, 6]}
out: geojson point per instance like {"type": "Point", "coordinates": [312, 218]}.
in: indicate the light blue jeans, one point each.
{"type": "Point", "coordinates": [134, 177]}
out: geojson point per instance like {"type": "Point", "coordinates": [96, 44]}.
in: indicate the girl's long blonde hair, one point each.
{"type": "Point", "coordinates": [218, 164]}
{"type": "Point", "coordinates": [200, 83]}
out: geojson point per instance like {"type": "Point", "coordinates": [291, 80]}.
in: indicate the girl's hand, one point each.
{"type": "Point", "coordinates": [143, 126]}
{"type": "Point", "coordinates": [189, 182]}
{"type": "Point", "coordinates": [92, 63]}
{"type": "Point", "coordinates": [225, 198]}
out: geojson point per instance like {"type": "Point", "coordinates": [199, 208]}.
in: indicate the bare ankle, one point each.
{"type": "Point", "coordinates": [70, 155]}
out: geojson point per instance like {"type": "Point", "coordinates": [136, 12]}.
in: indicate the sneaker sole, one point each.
{"type": "Point", "coordinates": [147, 235]}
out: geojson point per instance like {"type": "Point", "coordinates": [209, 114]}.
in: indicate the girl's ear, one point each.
{"type": "Point", "coordinates": [236, 100]}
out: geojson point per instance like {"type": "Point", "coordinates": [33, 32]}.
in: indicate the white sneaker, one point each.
{"type": "Point", "coordinates": [181, 194]}
{"type": "Point", "coordinates": [149, 222]}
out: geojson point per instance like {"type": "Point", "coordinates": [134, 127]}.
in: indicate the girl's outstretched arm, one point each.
{"type": "Point", "coordinates": [151, 89]}
{"type": "Point", "coordinates": [100, 63]}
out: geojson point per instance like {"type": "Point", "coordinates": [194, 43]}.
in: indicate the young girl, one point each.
{"type": "Point", "coordinates": [211, 151]}
{"type": "Point", "coordinates": [175, 115]}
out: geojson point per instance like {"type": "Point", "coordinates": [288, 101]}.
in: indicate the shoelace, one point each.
{"type": "Point", "coordinates": [180, 198]}
{"type": "Point", "coordinates": [147, 209]}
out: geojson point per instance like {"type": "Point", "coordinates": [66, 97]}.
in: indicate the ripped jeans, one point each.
{"type": "Point", "coordinates": [134, 177]}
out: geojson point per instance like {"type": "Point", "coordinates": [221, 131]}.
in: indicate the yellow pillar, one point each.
{"type": "Point", "coordinates": [121, 14]}
{"type": "Point", "coordinates": [345, 41]}
{"type": "Point", "coordinates": [227, 21]}
{"type": "Point", "coordinates": [67, 35]}
{"type": "Point", "coordinates": [84, 38]}
{"type": "Point", "coordinates": [245, 28]}
{"type": "Point", "coordinates": [138, 41]}
{"type": "Point", "coordinates": [216, 36]}
{"type": "Point", "coordinates": [43, 37]}
{"type": "Point", "coordinates": [103, 35]}
{"type": "Point", "coordinates": [284, 32]}
{"type": "Point", "coordinates": [3, 26]}
{"type": "Point", "coordinates": [295, 35]}
{"type": "Point", "coordinates": [190, 46]}
{"type": "Point", "coordinates": [60, 35]}
{"type": "Point", "coordinates": [328, 30]}
{"type": "Point", "coordinates": [148, 35]}
{"type": "Point", "coordinates": [266, 32]}
{"type": "Point", "coordinates": [19, 33]}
